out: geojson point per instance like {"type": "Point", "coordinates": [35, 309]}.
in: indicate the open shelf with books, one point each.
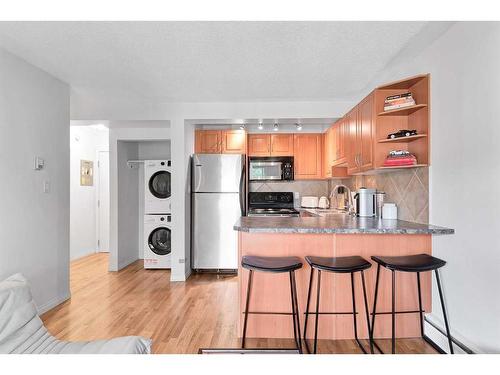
{"type": "Point", "coordinates": [405, 111]}
{"type": "Point", "coordinates": [413, 95]}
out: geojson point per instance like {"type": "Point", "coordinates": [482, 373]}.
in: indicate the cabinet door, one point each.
{"type": "Point", "coordinates": [208, 141]}
{"type": "Point", "coordinates": [308, 156]}
{"type": "Point", "coordinates": [259, 144]}
{"type": "Point", "coordinates": [281, 144]}
{"type": "Point", "coordinates": [342, 132]}
{"type": "Point", "coordinates": [352, 141]}
{"type": "Point", "coordinates": [365, 120]}
{"type": "Point", "coordinates": [328, 151]}
{"type": "Point", "coordinates": [234, 142]}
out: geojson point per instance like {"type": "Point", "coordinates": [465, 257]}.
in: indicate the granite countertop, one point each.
{"type": "Point", "coordinates": [337, 223]}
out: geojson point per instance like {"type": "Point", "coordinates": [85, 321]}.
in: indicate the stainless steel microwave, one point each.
{"type": "Point", "coordinates": [274, 168]}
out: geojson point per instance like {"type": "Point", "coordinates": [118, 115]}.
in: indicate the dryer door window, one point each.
{"type": "Point", "coordinates": [160, 241]}
{"type": "Point", "coordinates": [159, 184]}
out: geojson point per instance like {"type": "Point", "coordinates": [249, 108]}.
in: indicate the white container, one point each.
{"type": "Point", "coordinates": [389, 211]}
{"type": "Point", "coordinates": [323, 202]}
{"type": "Point", "coordinates": [309, 202]}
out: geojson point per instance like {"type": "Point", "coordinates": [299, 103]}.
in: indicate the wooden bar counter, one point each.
{"type": "Point", "coordinates": [333, 236]}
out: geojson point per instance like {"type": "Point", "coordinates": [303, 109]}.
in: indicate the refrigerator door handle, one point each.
{"type": "Point", "coordinates": [242, 191]}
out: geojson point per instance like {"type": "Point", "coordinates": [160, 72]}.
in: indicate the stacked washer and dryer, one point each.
{"type": "Point", "coordinates": [157, 214]}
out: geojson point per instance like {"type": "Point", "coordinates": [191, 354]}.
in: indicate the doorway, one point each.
{"type": "Point", "coordinates": [89, 189]}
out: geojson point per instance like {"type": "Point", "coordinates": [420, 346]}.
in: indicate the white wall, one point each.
{"type": "Point", "coordinates": [34, 226]}
{"type": "Point", "coordinates": [148, 150]}
{"type": "Point", "coordinates": [84, 142]}
{"type": "Point", "coordinates": [124, 188]}
{"type": "Point", "coordinates": [465, 173]}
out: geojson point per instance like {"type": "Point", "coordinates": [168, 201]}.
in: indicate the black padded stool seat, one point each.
{"type": "Point", "coordinates": [271, 264]}
{"type": "Point", "coordinates": [410, 263]}
{"type": "Point", "coordinates": [338, 264]}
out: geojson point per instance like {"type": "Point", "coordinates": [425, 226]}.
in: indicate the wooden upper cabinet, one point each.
{"type": "Point", "coordinates": [328, 151]}
{"type": "Point", "coordinates": [234, 141]}
{"type": "Point", "coordinates": [281, 144]}
{"type": "Point", "coordinates": [208, 141]}
{"type": "Point", "coordinates": [226, 141]}
{"type": "Point", "coordinates": [366, 133]}
{"type": "Point", "coordinates": [352, 141]}
{"type": "Point", "coordinates": [360, 139]}
{"type": "Point", "coordinates": [308, 151]}
{"type": "Point", "coordinates": [259, 144]}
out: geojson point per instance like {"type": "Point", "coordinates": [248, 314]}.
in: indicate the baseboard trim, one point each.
{"type": "Point", "coordinates": [435, 335]}
{"type": "Point", "coordinates": [53, 303]}
{"type": "Point", "coordinates": [126, 263]}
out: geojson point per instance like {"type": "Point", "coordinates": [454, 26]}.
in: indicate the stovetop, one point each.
{"type": "Point", "coordinates": [271, 204]}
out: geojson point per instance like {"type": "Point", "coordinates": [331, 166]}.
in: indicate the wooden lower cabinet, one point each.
{"type": "Point", "coordinates": [308, 156]}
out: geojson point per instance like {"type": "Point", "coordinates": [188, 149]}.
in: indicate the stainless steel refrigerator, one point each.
{"type": "Point", "coordinates": [218, 200]}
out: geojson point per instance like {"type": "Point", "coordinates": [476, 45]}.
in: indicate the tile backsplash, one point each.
{"type": "Point", "coordinates": [408, 188]}
{"type": "Point", "coordinates": [303, 187]}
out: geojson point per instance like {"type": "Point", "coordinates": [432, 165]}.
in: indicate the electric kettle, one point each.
{"type": "Point", "coordinates": [365, 202]}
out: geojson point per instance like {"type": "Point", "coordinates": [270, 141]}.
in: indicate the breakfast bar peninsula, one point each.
{"type": "Point", "coordinates": [333, 235]}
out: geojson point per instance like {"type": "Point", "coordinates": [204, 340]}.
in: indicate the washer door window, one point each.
{"type": "Point", "coordinates": [159, 184]}
{"type": "Point", "coordinates": [160, 241]}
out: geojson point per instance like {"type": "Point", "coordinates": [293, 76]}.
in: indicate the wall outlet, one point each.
{"type": "Point", "coordinates": [182, 260]}
{"type": "Point", "coordinates": [46, 186]}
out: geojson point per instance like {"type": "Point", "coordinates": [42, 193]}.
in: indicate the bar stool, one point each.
{"type": "Point", "coordinates": [351, 264]}
{"type": "Point", "coordinates": [274, 265]}
{"type": "Point", "coordinates": [410, 263]}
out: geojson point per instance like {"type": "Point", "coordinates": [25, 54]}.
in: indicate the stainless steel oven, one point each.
{"type": "Point", "coordinates": [272, 168]}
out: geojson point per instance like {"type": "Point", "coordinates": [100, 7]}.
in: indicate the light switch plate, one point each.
{"type": "Point", "coordinates": [46, 186]}
{"type": "Point", "coordinates": [39, 163]}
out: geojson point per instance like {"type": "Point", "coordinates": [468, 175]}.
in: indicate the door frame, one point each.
{"type": "Point", "coordinates": [97, 190]}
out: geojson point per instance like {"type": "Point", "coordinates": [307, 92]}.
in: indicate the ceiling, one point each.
{"type": "Point", "coordinates": [212, 61]}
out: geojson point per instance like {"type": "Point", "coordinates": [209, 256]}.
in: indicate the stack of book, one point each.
{"type": "Point", "coordinates": [399, 101]}
{"type": "Point", "coordinates": [399, 158]}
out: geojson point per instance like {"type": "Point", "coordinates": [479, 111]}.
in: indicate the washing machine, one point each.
{"type": "Point", "coordinates": [157, 241]}
{"type": "Point", "coordinates": [157, 189]}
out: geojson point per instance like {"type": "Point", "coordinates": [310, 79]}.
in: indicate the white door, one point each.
{"type": "Point", "coordinates": [103, 202]}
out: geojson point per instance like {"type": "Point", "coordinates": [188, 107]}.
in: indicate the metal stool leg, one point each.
{"type": "Point", "coordinates": [420, 306]}
{"type": "Point", "coordinates": [374, 314]}
{"type": "Point", "coordinates": [393, 312]}
{"type": "Point", "coordinates": [294, 312]}
{"type": "Point", "coordinates": [297, 315]}
{"type": "Point", "coordinates": [444, 311]}
{"type": "Point", "coordinates": [317, 313]}
{"type": "Point", "coordinates": [366, 309]}
{"type": "Point", "coordinates": [354, 312]}
{"type": "Point", "coordinates": [249, 288]}
{"type": "Point", "coordinates": [307, 308]}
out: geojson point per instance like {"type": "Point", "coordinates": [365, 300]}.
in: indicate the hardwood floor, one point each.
{"type": "Point", "coordinates": [179, 317]}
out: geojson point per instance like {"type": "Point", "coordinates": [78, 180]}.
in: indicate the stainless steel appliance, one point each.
{"type": "Point", "coordinates": [365, 202]}
{"type": "Point", "coordinates": [270, 168]}
{"type": "Point", "coordinates": [271, 204]}
{"type": "Point", "coordinates": [218, 200]}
